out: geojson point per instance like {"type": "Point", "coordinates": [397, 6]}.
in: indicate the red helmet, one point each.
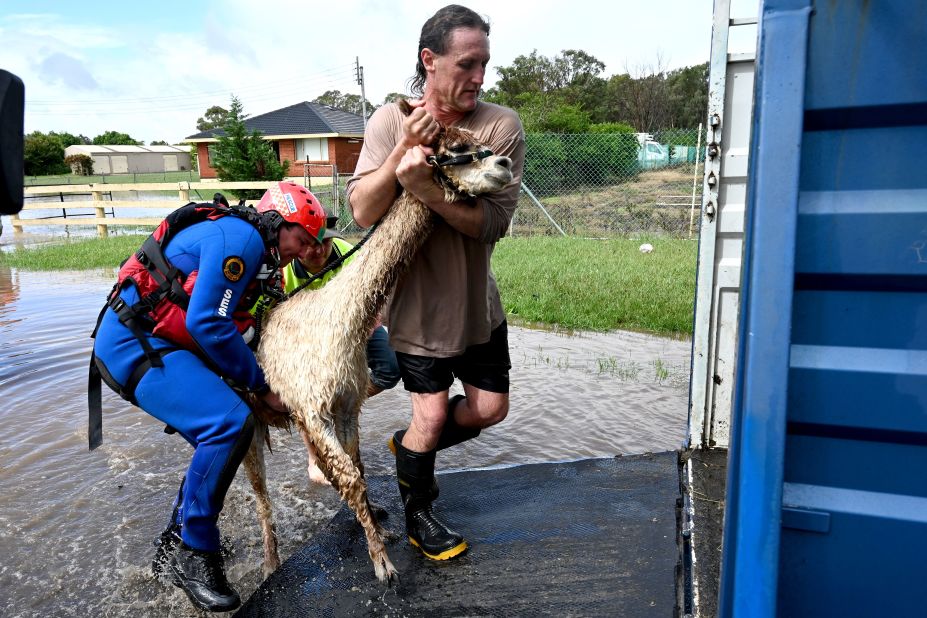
{"type": "Point", "coordinates": [296, 205]}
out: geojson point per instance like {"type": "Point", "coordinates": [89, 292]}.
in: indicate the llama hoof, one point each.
{"type": "Point", "coordinates": [386, 572]}
{"type": "Point", "coordinates": [317, 476]}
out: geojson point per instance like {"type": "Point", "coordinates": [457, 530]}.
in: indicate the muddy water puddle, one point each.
{"type": "Point", "coordinates": [76, 527]}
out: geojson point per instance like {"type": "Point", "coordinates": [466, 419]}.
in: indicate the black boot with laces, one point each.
{"type": "Point", "coordinates": [166, 545]}
{"type": "Point", "coordinates": [201, 576]}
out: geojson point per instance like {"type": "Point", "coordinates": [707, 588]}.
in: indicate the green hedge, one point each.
{"type": "Point", "coordinates": [556, 162]}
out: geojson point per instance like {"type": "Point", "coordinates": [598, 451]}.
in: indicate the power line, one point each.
{"type": "Point", "coordinates": [325, 75]}
{"type": "Point", "coordinates": [191, 104]}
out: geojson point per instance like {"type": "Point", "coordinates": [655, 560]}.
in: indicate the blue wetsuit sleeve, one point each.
{"type": "Point", "coordinates": [215, 296]}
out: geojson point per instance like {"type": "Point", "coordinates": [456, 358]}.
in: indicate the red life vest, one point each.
{"type": "Point", "coordinates": [164, 291]}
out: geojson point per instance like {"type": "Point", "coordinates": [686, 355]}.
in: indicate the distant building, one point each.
{"type": "Point", "coordinates": [133, 159]}
{"type": "Point", "coordinates": [319, 134]}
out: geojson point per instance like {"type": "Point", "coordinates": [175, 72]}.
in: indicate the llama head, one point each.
{"type": "Point", "coordinates": [463, 166]}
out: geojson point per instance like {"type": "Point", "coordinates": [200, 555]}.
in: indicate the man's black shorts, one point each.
{"type": "Point", "coordinates": [485, 366]}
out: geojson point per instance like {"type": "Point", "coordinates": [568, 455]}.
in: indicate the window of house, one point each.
{"type": "Point", "coordinates": [210, 153]}
{"type": "Point", "coordinates": [315, 148]}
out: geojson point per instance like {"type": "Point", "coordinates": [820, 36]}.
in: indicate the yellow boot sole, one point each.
{"type": "Point", "coordinates": [446, 554]}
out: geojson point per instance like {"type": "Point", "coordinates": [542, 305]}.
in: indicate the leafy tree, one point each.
{"type": "Point", "coordinates": [194, 158]}
{"type": "Point", "coordinates": [240, 155]}
{"type": "Point", "coordinates": [159, 142]}
{"type": "Point", "coordinates": [69, 139]}
{"type": "Point", "coordinates": [214, 117]}
{"type": "Point", "coordinates": [649, 97]}
{"type": "Point", "coordinates": [642, 101]}
{"type": "Point", "coordinates": [550, 114]}
{"type": "Point", "coordinates": [43, 155]}
{"type": "Point", "coordinates": [394, 96]}
{"type": "Point", "coordinates": [80, 164]}
{"type": "Point", "coordinates": [344, 101]}
{"type": "Point", "coordinates": [688, 95]}
{"type": "Point", "coordinates": [115, 138]}
{"type": "Point", "coordinates": [570, 74]}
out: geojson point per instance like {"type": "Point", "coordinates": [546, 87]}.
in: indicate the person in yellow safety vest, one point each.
{"type": "Point", "coordinates": [381, 359]}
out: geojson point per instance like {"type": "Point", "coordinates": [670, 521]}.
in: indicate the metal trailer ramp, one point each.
{"type": "Point", "coordinates": [595, 537]}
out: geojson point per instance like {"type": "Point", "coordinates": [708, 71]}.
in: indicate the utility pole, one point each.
{"type": "Point", "coordinates": [359, 73]}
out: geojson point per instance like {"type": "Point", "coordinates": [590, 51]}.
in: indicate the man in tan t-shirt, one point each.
{"type": "Point", "coordinates": [445, 316]}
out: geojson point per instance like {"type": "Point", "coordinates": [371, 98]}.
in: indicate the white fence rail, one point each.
{"type": "Point", "coordinates": [76, 212]}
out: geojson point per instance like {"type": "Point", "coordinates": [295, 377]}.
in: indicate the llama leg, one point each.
{"type": "Point", "coordinates": [257, 474]}
{"type": "Point", "coordinates": [315, 473]}
{"type": "Point", "coordinates": [349, 436]}
{"type": "Point", "coordinates": [350, 483]}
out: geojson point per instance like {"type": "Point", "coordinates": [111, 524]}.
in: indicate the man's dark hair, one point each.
{"type": "Point", "coordinates": [436, 34]}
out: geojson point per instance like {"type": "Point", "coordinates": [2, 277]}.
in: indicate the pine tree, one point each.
{"type": "Point", "coordinates": [243, 156]}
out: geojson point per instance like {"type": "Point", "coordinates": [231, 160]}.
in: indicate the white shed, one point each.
{"type": "Point", "coordinates": [133, 159]}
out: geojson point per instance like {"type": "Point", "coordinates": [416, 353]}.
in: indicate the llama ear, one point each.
{"type": "Point", "coordinates": [404, 106]}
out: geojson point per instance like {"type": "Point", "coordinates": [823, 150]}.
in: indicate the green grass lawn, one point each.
{"type": "Point", "coordinates": [568, 282]}
{"type": "Point", "coordinates": [71, 179]}
{"type": "Point", "coordinates": [598, 284]}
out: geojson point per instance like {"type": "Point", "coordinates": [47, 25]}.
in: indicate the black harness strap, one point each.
{"type": "Point", "coordinates": [94, 405]}
{"type": "Point", "coordinates": [461, 159]}
{"type": "Point", "coordinates": [167, 275]}
{"type": "Point", "coordinates": [99, 373]}
{"type": "Point", "coordinates": [129, 315]}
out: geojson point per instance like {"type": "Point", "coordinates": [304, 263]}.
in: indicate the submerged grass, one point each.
{"type": "Point", "coordinates": [572, 283]}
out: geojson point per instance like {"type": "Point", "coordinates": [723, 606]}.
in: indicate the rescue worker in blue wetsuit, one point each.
{"type": "Point", "coordinates": [334, 252]}
{"type": "Point", "coordinates": [172, 340]}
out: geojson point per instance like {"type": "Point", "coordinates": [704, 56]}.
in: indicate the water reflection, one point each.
{"type": "Point", "coordinates": [76, 527]}
{"type": "Point", "coordinates": [9, 293]}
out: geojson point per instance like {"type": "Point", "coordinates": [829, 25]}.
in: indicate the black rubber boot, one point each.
{"type": "Point", "coordinates": [397, 439]}
{"type": "Point", "coordinates": [165, 545]}
{"type": "Point", "coordinates": [201, 576]}
{"type": "Point", "coordinates": [415, 473]}
{"type": "Point", "coordinates": [169, 541]}
{"type": "Point", "coordinates": [453, 434]}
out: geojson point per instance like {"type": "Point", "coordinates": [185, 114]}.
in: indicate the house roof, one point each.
{"type": "Point", "coordinates": [94, 149]}
{"type": "Point", "coordinates": [303, 119]}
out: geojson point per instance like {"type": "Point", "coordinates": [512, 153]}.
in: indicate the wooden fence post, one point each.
{"type": "Point", "coordinates": [16, 228]}
{"type": "Point", "coordinates": [102, 230]}
{"type": "Point", "coordinates": [184, 192]}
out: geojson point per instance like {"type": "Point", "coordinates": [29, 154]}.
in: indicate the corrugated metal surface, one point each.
{"type": "Point", "coordinates": [830, 416]}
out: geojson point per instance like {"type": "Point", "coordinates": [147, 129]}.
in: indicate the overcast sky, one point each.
{"type": "Point", "coordinates": [150, 69]}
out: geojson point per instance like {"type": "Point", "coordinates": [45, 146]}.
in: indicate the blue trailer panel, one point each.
{"type": "Point", "coordinates": [827, 485]}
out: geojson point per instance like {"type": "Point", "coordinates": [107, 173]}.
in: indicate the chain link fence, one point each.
{"type": "Point", "coordinates": [607, 185]}
{"type": "Point", "coordinates": [602, 185]}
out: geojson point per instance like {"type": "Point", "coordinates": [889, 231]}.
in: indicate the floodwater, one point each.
{"type": "Point", "coordinates": [76, 527]}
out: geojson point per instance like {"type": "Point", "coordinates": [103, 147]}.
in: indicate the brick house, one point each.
{"type": "Point", "coordinates": [312, 132]}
